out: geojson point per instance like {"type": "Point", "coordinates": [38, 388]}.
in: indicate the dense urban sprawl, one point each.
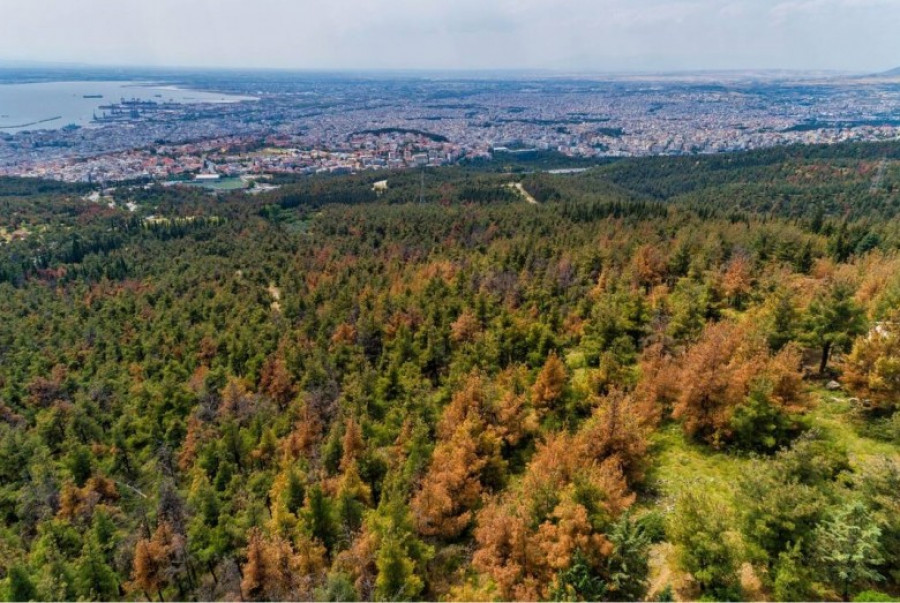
{"type": "Point", "coordinates": [344, 124]}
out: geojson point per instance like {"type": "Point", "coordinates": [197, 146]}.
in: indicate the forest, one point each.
{"type": "Point", "coordinates": [672, 378]}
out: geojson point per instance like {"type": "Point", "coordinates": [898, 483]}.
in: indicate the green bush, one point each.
{"type": "Point", "coordinates": [873, 595]}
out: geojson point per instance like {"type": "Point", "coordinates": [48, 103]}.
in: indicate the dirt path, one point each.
{"type": "Point", "coordinates": [517, 186]}
{"type": "Point", "coordinates": [660, 569]}
{"type": "Point", "coordinates": [879, 176]}
{"type": "Point", "coordinates": [275, 292]}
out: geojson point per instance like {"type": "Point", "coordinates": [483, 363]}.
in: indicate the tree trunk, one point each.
{"type": "Point", "coordinates": [192, 575]}
{"type": "Point", "coordinates": [826, 351]}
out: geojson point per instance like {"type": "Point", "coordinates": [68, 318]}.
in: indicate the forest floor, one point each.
{"type": "Point", "coordinates": [833, 413]}
{"type": "Point", "coordinates": [7, 236]}
{"type": "Point", "coordinates": [679, 463]}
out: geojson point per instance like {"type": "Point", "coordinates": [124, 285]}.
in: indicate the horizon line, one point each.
{"type": "Point", "coordinates": [22, 65]}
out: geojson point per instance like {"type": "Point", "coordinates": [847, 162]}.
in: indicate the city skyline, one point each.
{"type": "Point", "coordinates": [569, 35]}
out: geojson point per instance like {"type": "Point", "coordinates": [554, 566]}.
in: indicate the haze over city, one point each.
{"type": "Point", "coordinates": [565, 35]}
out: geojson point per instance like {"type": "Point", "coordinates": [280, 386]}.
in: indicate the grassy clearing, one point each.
{"type": "Point", "coordinates": [678, 463]}
{"type": "Point", "coordinates": [834, 413]}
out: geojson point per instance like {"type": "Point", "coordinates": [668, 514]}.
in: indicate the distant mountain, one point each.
{"type": "Point", "coordinates": [895, 72]}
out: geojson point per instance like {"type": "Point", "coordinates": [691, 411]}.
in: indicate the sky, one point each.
{"type": "Point", "coordinates": [561, 35]}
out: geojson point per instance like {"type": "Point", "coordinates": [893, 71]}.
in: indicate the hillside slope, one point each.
{"type": "Point", "coordinates": [622, 391]}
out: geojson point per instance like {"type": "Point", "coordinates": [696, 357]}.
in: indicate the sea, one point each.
{"type": "Point", "coordinates": [55, 105]}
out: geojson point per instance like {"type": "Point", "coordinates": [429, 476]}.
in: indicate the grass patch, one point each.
{"type": "Point", "coordinates": [834, 414]}
{"type": "Point", "coordinates": [679, 463]}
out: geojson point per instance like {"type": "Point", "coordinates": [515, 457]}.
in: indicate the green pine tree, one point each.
{"type": "Point", "coordinates": [94, 579]}
{"type": "Point", "coordinates": [19, 585]}
{"type": "Point", "coordinates": [832, 320]}
{"type": "Point", "coordinates": [848, 547]}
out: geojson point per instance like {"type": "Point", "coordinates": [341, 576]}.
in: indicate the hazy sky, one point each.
{"type": "Point", "coordinates": [585, 35]}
